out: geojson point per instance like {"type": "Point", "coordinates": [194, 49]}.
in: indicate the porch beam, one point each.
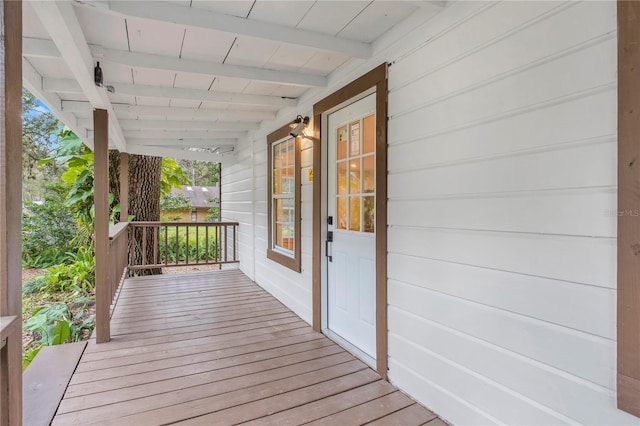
{"type": "Point", "coordinates": [198, 18]}
{"type": "Point", "coordinates": [71, 86]}
{"type": "Point", "coordinates": [44, 48]}
{"type": "Point", "coordinates": [180, 143]}
{"type": "Point", "coordinates": [60, 21]}
{"type": "Point", "coordinates": [179, 112]}
{"type": "Point", "coordinates": [101, 223]}
{"type": "Point", "coordinates": [209, 68]}
{"type": "Point", "coordinates": [124, 187]}
{"type": "Point", "coordinates": [178, 125]}
{"type": "Point", "coordinates": [190, 134]}
{"type": "Point", "coordinates": [175, 153]}
{"type": "Point", "coordinates": [11, 208]}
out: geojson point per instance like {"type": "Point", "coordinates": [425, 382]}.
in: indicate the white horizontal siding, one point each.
{"type": "Point", "coordinates": [502, 193]}
{"type": "Point", "coordinates": [502, 183]}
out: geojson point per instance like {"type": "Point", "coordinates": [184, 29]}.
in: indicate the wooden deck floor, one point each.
{"type": "Point", "coordinates": [214, 348]}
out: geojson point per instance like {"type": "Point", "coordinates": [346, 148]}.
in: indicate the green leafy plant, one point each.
{"type": "Point", "coordinates": [55, 325]}
{"type": "Point", "coordinates": [78, 276]}
{"type": "Point", "coordinates": [48, 229]}
{"type": "Point", "coordinates": [176, 202]}
{"type": "Point", "coordinates": [35, 285]}
{"type": "Point", "coordinates": [213, 214]}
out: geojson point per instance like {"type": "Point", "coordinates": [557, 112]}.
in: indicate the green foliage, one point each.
{"type": "Point", "coordinates": [197, 249]}
{"type": "Point", "coordinates": [56, 325]}
{"type": "Point", "coordinates": [78, 276]}
{"type": "Point", "coordinates": [35, 285]}
{"type": "Point", "coordinates": [39, 139]}
{"type": "Point", "coordinates": [176, 202]}
{"type": "Point", "coordinates": [171, 176]}
{"type": "Point", "coordinates": [213, 214]}
{"type": "Point", "coordinates": [48, 229]}
{"type": "Point", "coordinates": [202, 173]}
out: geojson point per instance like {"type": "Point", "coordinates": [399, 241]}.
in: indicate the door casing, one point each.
{"type": "Point", "coordinates": [373, 81]}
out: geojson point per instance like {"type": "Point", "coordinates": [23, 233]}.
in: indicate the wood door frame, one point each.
{"type": "Point", "coordinates": [375, 78]}
{"type": "Point", "coordinates": [628, 213]}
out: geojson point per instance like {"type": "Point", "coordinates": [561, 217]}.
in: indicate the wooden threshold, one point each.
{"type": "Point", "coordinates": [215, 348]}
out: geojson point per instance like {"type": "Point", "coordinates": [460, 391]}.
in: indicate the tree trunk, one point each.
{"type": "Point", "coordinates": [144, 200]}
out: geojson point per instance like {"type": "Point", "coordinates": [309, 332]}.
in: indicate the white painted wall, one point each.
{"type": "Point", "coordinates": [502, 184]}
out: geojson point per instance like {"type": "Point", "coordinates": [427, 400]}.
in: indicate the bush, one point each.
{"type": "Point", "coordinates": [35, 285]}
{"type": "Point", "coordinates": [78, 276]}
{"type": "Point", "coordinates": [48, 229]}
{"type": "Point", "coordinates": [181, 254]}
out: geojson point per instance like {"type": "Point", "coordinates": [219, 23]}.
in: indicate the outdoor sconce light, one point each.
{"type": "Point", "coordinates": [299, 125]}
{"type": "Point", "coordinates": [97, 75]}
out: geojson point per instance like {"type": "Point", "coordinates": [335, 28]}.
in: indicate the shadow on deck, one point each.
{"type": "Point", "coordinates": [214, 348]}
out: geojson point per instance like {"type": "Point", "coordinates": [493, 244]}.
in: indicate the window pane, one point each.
{"type": "Point", "coordinates": [354, 213]}
{"type": "Point", "coordinates": [278, 236]}
{"type": "Point", "coordinates": [277, 157]}
{"type": "Point", "coordinates": [288, 181]}
{"type": "Point", "coordinates": [290, 152]}
{"type": "Point", "coordinates": [342, 213]}
{"type": "Point", "coordinates": [279, 211]}
{"type": "Point", "coordinates": [342, 177]}
{"type": "Point", "coordinates": [277, 182]}
{"type": "Point", "coordinates": [369, 134]}
{"type": "Point", "coordinates": [341, 139]}
{"type": "Point", "coordinates": [369, 174]}
{"type": "Point", "coordinates": [354, 142]}
{"type": "Point", "coordinates": [354, 176]}
{"type": "Point", "coordinates": [369, 213]}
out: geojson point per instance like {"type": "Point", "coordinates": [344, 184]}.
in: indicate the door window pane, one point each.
{"type": "Point", "coordinates": [369, 174]}
{"type": "Point", "coordinates": [354, 140]}
{"type": "Point", "coordinates": [342, 141]}
{"type": "Point", "coordinates": [354, 176]}
{"type": "Point", "coordinates": [342, 213]}
{"type": "Point", "coordinates": [369, 134]}
{"type": "Point", "coordinates": [369, 214]}
{"type": "Point", "coordinates": [342, 177]}
{"type": "Point", "coordinates": [354, 213]}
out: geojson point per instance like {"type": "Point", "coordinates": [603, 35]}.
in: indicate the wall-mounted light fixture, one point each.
{"type": "Point", "coordinates": [97, 75]}
{"type": "Point", "coordinates": [298, 125]}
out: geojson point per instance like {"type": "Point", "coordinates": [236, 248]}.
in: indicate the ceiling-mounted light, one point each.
{"type": "Point", "coordinates": [299, 125]}
{"type": "Point", "coordinates": [97, 75]}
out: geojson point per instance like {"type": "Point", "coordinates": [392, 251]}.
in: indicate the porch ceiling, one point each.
{"type": "Point", "coordinates": [192, 77]}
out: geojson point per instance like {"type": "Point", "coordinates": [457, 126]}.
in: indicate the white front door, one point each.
{"type": "Point", "coordinates": [351, 192]}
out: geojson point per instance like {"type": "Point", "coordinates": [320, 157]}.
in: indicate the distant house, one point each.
{"type": "Point", "coordinates": [200, 201]}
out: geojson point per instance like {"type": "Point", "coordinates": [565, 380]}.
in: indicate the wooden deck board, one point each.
{"type": "Point", "coordinates": [214, 348]}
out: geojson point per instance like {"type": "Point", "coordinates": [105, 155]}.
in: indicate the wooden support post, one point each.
{"type": "Point", "coordinates": [101, 222]}
{"type": "Point", "coordinates": [628, 202]}
{"type": "Point", "coordinates": [11, 206]}
{"type": "Point", "coordinates": [124, 187]}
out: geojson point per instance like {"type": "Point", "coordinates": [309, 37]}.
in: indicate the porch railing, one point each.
{"type": "Point", "coordinates": [118, 257]}
{"type": "Point", "coordinates": [170, 244]}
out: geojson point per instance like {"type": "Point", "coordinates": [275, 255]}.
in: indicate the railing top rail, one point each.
{"type": "Point", "coordinates": [117, 229]}
{"type": "Point", "coordinates": [8, 326]}
{"type": "Point", "coordinates": [184, 223]}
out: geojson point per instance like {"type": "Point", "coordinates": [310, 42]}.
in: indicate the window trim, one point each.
{"type": "Point", "coordinates": [293, 263]}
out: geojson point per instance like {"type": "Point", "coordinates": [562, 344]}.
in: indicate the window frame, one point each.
{"type": "Point", "coordinates": [292, 261]}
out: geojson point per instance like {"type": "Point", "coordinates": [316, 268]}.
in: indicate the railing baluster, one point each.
{"type": "Point", "coordinates": [156, 230]}
{"type": "Point", "coordinates": [197, 246]}
{"type": "Point", "coordinates": [144, 245]}
{"type": "Point", "coordinates": [177, 246]}
{"type": "Point", "coordinates": [206, 232]}
{"type": "Point", "coordinates": [225, 244]}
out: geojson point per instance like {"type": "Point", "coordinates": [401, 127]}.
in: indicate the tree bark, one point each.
{"type": "Point", "coordinates": [144, 200]}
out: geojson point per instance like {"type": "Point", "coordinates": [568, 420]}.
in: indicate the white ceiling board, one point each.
{"type": "Point", "coordinates": [31, 25]}
{"type": "Point", "coordinates": [233, 7]}
{"type": "Point", "coordinates": [324, 63]}
{"type": "Point", "coordinates": [51, 67]}
{"type": "Point", "coordinates": [258, 88]}
{"type": "Point", "coordinates": [376, 20]}
{"type": "Point", "coordinates": [116, 73]}
{"type": "Point", "coordinates": [184, 103]}
{"type": "Point", "coordinates": [77, 97]}
{"type": "Point", "coordinates": [206, 45]}
{"type": "Point", "coordinates": [239, 107]}
{"type": "Point", "coordinates": [155, 37]}
{"type": "Point", "coordinates": [121, 98]}
{"type": "Point", "coordinates": [188, 134]}
{"type": "Point", "coordinates": [147, 101]}
{"type": "Point", "coordinates": [330, 17]}
{"type": "Point", "coordinates": [102, 29]}
{"type": "Point", "coordinates": [251, 51]}
{"type": "Point", "coordinates": [229, 84]}
{"type": "Point", "coordinates": [153, 77]}
{"type": "Point", "coordinates": [280, 12]}
{"type": "Point", "coordinates": [193, 81]}
{"type": "Point", "coordinates": [289, 58]}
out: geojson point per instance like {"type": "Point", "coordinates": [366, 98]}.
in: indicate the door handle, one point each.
{"type": "Point", "coordinates": [326, 245]}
